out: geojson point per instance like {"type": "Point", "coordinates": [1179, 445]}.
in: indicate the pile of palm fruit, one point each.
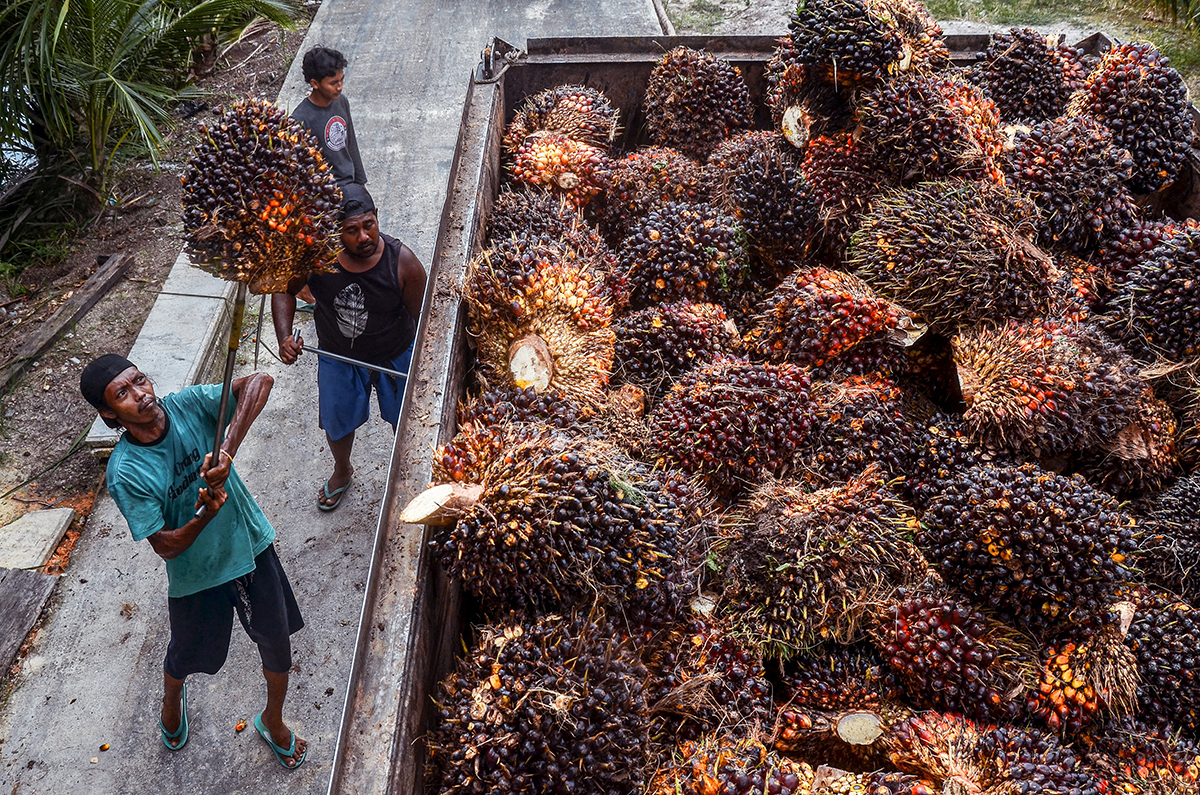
{"type": "Point", "coordinates": [852, 455]}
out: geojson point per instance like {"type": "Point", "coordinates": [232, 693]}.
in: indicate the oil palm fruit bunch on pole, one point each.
{"type": "Point", "coordinates": [656, 345]}
{"type": "Point", "coordinates": [756, 177]}
{"type": "Point", "coordinates": [954, 252]}
{"type": "Point", "coordinates": [259, 202]}
{"type": "Point", "coordinates": [950, 656]}
{"type": "Point", "coordinates": [1037, 548]}
{"type": "Point", "coordinates": [805, 567]}
{"type": "Point", "coordinates": [816, 315]}
{"type": "Point", "coordinates": [1141, 458]}
{"type": "Point", "coordinates": [546, 520]}
{"type": "Point", "coordinates": [732, 765]}
{"type": "Point", "coordinates": [860, 420]}
{"type": "Point", "coordinates": [1073, 173]}
{"type": "Point", "coordinates": [931, 126]}
{"type": "Point", "coordinates": [1136, 93]}
{"type": "Point", "coordinates": [684, 250]}
{"type": "Point", "coordinates": [574, 111]}
{"type": "Point", "coordinates": [733, 423]}
{"type": "Point", "coordinates": [542, 705]}
{"type": "Point", "coordinates": [1029, 76]}
{"type": "Point", "coordinates": [694, 101]}
{"type": "Point", "coordinates": [645, 180]}
{"type": "Point", "coordinates": [540, 317]}
{"type": "Point", "coordinates": [1171, 522]}
{"type": "Point", "coordinates": [1164, 637]}
{"type": "Point", "coordinates": [843, 176]}
{"type": "Point", "coordinates": [1154, 308]}
{"type": "Point", "coordinates": [1045, 388]}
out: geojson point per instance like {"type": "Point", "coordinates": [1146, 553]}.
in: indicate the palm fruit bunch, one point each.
{"type": "Point", "coordinates": [733, 423]}
{"type": "Point", "coordinates": [1086, 682]}
{"type": "Point", "coordinates": [803, 105]}
{"type": "Point", "coordinates": [1154, 308]}
{"type": "Point", "coordinates": [1031, 545]}
{"type": "Point", "coordinates": [1141, 457]}
{"type": "Point", "coordinates": [1076, 288]}
{"type": "Point", "coordinates": [1164, 636]}
{"type": "Point", "coordinates": [806, 567]}
{"type": "Point", "coordinates": [1121, 253]}
{"type": "Point", "coordinates": [550, 519]}
{"type": "Point", "coordinates": [509, 404]}
{"type": "Point", "coordinates": [816, 315]}
{"type": "Point", "coordinates": [955, 252]}
{"type": "Point", "coordinates": [1029, 76]}
{"type": "Point", "coordinates": [950, 656]}
{"type": "Point", "coordinates": [756, 177]}
{"type": "Point", "coordinates": [960, 757]}
{"type": "Point", "coordinates": [645, 180]}
{"type": "Point", "coordinates": [1138, 95]}
{"type": "Point", "coordinates": [540, 317]}
{"type": "Point", "coordinates": [832, 781]}
{"type": "Point", "coordinates": [843, 176]}
{"type": "Point", "coordinates": [848, 43]}
{"type": "Point", "coordinates": [657, 344]}
{"type": "Point", "coordinates": [942, 450]}
{"type": "Point", "coordinates": [540, 706]}
{"type": "Point", "coordinates": [1045, 388]}
{"type": "Point", "coordinates": [1171, 522]}
{"type": "Point", "coordinates": [924, 46]}
{"type": "Point", "coordinates": [930, 126]}
{"type": "Point", "coordinates": [694, 101]}
{"type": "Point", "coordinates": [577, 112]}
{"type": "Point", "coordinates": [687, 251]}
{"type": "Point", "coordinates": [571, 168]}
{"type": "Point", "coordinates": [702, 679]}
{"type": "Point", "coordinates": [1072, 171]}
{"type": "Point", "coordinates": [861, 420]}
{"type": "Point", "coordinates": [259, 202]}
{"type": "Point", "coordinates": [720, 764]}
{"type": "Point", "coordinates": [1136, 759]}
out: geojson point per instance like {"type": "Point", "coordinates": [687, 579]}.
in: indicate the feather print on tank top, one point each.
{"type": "Point", "coordinates": [351, 312]}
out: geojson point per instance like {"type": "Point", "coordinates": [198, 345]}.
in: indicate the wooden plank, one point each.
{"type": "Point", "coordinates": [22, 596]}
{"type": "Point", "coordinates": [78, 305]}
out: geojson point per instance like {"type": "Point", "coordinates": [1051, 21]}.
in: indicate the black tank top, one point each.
{"type": "Point", "coordinates": [362, 315]}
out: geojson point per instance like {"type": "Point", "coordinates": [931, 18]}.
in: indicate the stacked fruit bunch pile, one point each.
{"type": "Point", "coordinates": [866, 442]}
{"type": "Point", "coordinates": [259, 201]}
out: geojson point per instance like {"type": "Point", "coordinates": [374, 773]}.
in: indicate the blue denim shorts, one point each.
{"type": "Point", "coordinates": [344, 394]}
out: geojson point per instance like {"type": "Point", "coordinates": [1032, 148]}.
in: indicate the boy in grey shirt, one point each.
{"type": "Point", "coordinates": [326, 114]}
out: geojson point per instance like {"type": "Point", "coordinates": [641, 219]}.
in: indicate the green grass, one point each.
{"type": "Point", "coordinates": [1125, 21]}
{"type": "Point", "coordinates": [702, 15]}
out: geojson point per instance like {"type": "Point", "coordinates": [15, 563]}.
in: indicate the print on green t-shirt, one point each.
{"type": "Point", "coordinates": [155, 487]}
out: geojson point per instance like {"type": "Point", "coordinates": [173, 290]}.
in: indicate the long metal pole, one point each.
{"type": "Point", "coordinates": [348, 360]}
{"type": "Point", "coordinates": [235, 340]}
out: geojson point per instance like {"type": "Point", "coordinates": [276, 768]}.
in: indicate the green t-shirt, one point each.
{"type": "Point", "coordinates": [155, 486]}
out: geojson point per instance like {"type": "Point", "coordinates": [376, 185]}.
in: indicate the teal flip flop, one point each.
{"type": "Point", "coordinates": [183, 724]}
{"type": "Point", "coordinates": [330, 495]}
{"type": "Point", "coordinates": [282, 754]}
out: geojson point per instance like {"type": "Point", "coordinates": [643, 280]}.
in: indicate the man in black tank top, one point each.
{"type": "Point", "coordinates": [367, 309]}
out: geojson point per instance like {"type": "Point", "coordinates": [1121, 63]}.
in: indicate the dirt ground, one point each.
{"type": "Point", "coordinates": [43, 418]}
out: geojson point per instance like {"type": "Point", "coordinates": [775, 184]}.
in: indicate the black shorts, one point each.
{"type": "Point", "coordinates": [201, 624]}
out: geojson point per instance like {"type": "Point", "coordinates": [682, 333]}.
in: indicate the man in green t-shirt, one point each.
{"type": "Point", "coordinates": [219, 561]}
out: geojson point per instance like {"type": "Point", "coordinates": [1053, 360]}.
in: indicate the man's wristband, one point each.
{"type": "Point", "coordinates": [226, 452]}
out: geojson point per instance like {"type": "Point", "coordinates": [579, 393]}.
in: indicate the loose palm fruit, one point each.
{"type": "Point", "coordinates": [1045, 388]}
{"type": "Point", "coordinates": [538, 706]}
{"type": "Point", "coordinates": [809, 567]}
{"type": "Point", "coordinates": [1029, 76]}
{"type": "Point", "coordinates": [1074, 174]}
{"type": "Point", "coordinates": [694, 101]}
{"type": "Point", "coordinates": [658, 344]}
{"type": "Point", "coordinates": [259, 201]}
{"type": "Point", "coordinates": [646, 180]}
{"type": "Point", "coordinates": [1144, 102]}
{"type": "Point", "coordinates": [573, 169]}
{"type": "Point", "coordinates": [573, 111]}
{"type": "Point", "coordinates": [1032, 546]}
{"type": "Point", "coordinates": [733, 423]}
{"type": "Point", "coordinates": [954, 252]}
{"type": "Point", "coordinates": [928, 126]}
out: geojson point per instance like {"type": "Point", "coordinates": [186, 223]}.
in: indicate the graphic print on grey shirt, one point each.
{"type": "Point", "coordinates": [334, 130]}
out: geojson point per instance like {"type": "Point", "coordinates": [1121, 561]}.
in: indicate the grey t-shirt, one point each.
{"type": "Point", "coordinates": [334, 132]}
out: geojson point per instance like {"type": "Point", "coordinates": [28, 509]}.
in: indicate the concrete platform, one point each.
{"type": "Point", "coordinates": [94, 673]}
{"type": "Point", "coordinates": [29, 542]}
